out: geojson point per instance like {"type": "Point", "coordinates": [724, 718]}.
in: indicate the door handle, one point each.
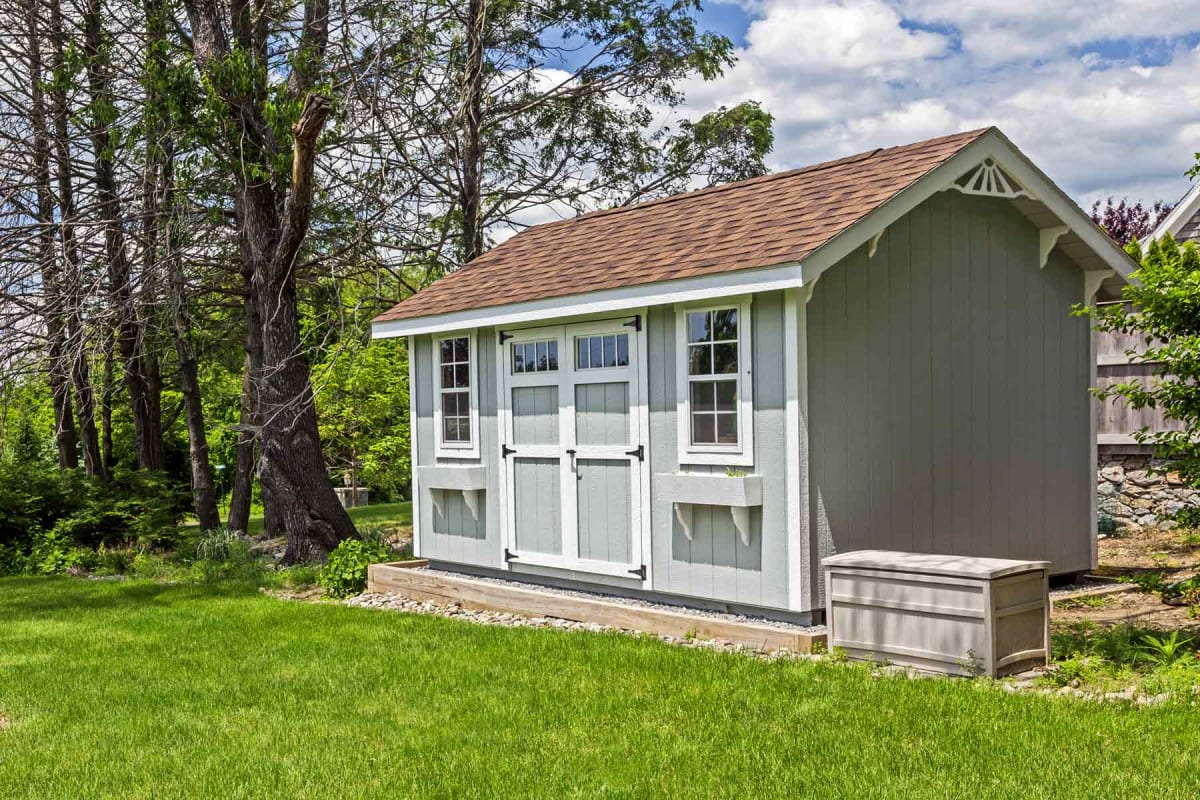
{"type": "Point", "coordinates": [571, 453]}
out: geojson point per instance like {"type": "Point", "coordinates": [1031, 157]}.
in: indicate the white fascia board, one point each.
{"type": "Point", "coordinates": [1184, 210]}
{"type": "Point", "coordinates": [723, 284]}
{"type": "Point", "coordinates": [996, 146]}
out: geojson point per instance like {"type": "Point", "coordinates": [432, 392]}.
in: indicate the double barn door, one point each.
{"type": "Point", "coordinates": [572, 447]}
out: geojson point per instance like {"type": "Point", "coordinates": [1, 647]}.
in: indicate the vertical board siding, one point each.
{"type": "Point", "coordinates": [454, 535]}
{"type": "Point", "coordinates": [715, 564]}
{"type": "Point", "coordinates": [602, 413]}
{"type": "Point", "coordinates": [948, 396]}
{"type": "Point", "coordinates": [604, 510]}
{"type": "Point", "coordinates": [538, 524]}
{"type": "Point", "coordinates": [1117, 354]}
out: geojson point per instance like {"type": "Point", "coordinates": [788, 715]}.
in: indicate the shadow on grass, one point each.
{"type": "Point", "coordinates": [37, 596]}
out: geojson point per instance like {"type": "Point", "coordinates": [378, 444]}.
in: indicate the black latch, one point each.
{"type": "Point", "coordinates": [503, 337]}
{"type": "Point", "coordinates": [640, 572]}
{"type": "Point", "coordinates": [509, 555]}
{"type": "Point", "coordinates": [640, 452]}
{"type": "Point", "coordinates": [635, 323]}
{"type": "Point", "coordinates": [506, 451]}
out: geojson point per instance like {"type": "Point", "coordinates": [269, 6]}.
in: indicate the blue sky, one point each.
{"type": "Point", "coordinates": [1105, 97]}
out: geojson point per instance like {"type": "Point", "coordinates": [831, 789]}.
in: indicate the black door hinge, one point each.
{"type": "Point", "coordinates": [640, 572]}
{"type": "Point", "coordinates": [509, 555]}
{"type": "Point", "coordinates": [640, 452]}
{"type": "Point", "coordinates": [506, 451]}
{"type": "Point", "coordinates": [635, 323]}
{"type": "Point", "coordinates": [503, 337]}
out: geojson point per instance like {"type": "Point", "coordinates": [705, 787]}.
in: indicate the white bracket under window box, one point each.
{"type": "Point", "coordinates": [442, 478]}
{"type": "Point", "coordinates": [739, 493]}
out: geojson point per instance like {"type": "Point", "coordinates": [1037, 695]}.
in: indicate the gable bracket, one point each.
{"type": "Point", "coordinates": [1047, 238]}
{"type": "Point", "coordinates": [1092, 281]}
{"type": "Point", "coordinates": [873, 245]}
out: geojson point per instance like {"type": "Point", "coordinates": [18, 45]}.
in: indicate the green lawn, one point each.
{"type": "Point", "coordinates": [138, 689]}
{"type": "Point", "coordinates": [388, 515]}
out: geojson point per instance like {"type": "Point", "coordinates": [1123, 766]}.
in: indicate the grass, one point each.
{"type": "Point", "coordinates": [138, 689]}
{"type": "Point", "coordinates": [385, 515]}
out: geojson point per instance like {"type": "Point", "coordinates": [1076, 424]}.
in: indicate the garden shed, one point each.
{"type": "Point", "coordinates": [695, 399]}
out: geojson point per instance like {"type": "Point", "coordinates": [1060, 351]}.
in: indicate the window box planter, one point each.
{"type": "Point", "coordinates": [441, 478]}
{"type": "Point", "coordinates": [739, 493]}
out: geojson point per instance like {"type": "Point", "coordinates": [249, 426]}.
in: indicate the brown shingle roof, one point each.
{"type": "Point", "coordinates": [761, 222]}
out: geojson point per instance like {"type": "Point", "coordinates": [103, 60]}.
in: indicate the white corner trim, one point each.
{"type": "Point", "coordinates": [873, 245]}
{"type": "Point", "coordinates": [795, 397]}
{"type": "Point", "coordinates": [1047, 238]}
{"type": "Point", "coordinates": [1091, 284]}
{"type": "Point", "coordinates": [412, 444]}
{"type": "Point", "coordinates": [623, 298]}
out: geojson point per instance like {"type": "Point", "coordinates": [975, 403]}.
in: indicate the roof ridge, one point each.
{"type": "Point", "coordinates": [758, 180]}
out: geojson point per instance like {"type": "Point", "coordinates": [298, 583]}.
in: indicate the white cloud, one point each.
{"type": "Point", "coordinates": [849, 35]}
{"type": "Point", "coordinates": [842, 76]}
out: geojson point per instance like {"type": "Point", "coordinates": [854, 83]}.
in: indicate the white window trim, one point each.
{"type": "Point", "coordinates": [741, 454]}
{"type": "Point", "coordinates": [444, 449]}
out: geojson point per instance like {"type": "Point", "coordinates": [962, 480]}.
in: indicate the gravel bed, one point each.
{"type": "Point", "coordinates": [637, 602]}
{"type": "Point", "coordinates": [1082, 586]}
{"type": "Point", "coordinates": [393, 602]}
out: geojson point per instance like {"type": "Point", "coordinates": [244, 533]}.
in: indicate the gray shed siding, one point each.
{"type": "Point", "coordinates": [715, 564]}
{"type": "Point", "coordinates": [456, 536]}
{"type": "Point", "coordinates": [948, 392]}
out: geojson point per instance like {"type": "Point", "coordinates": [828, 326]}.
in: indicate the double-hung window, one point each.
{"type": "Point", "coordinates": [455, 408]}
{"type": "Point", "coordinates": [715, 384]}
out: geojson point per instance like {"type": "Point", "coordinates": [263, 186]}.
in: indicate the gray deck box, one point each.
{"type": "Point", "coordinates": [939, 613]}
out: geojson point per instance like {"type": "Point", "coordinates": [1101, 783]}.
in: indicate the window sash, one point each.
{"type": "Point", "coordinates": [714, 403]}
{"type": "Point", "coordinates": [455, 392]}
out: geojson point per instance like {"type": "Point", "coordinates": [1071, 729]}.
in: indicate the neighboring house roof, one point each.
{"type": "Point", "coordinates": [724, 237]}
{"type": "Point", "coordinates": [1183, 221]}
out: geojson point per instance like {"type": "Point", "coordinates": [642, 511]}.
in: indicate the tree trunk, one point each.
{"type": "Point", "coordinates": [243, 475]}
{"type": "Point", "coordinates": [471, 145]}
{"type": "Point", "coordinates": [77, 341]}
{"type": "Point", "coordinates": [204, 490]}
{"type": "Point", "coordinates": [141, 368]}
{"type": "Point", "coordinates": [52, 290]}
{"type": "Point", "coordinates": [273, 218]}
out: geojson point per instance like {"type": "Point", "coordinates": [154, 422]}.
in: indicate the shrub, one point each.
{"type": "Point", "coordinates": [345, 573]}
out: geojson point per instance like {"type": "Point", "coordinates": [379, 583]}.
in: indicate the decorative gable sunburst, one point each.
{"type": "Point", "coordinates": [989, 180]}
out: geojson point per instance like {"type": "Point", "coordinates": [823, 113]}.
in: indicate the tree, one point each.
{"type": "Point", "coordinates": [1163, 304]}
{"type": "Point", "coordinates": [1125, 222]}
{"type": "Point", "coordinates": [266, 135]}
{"type": "Point", "coordinates": [510, 105]}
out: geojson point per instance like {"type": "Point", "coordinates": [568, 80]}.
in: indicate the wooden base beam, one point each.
{"type": "Point", "coordinates": [418, 584]}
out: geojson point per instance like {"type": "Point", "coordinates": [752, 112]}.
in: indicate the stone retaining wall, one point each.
{"type": "Point", "coordinates": [1132, 495]}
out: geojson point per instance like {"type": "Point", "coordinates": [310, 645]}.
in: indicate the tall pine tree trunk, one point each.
{"type": "Point", "coordinates": [77, 341]}
{"type": "Point", "coordinates": [52, 290]}
{"type": "Point", "coordinates": [140, 365]}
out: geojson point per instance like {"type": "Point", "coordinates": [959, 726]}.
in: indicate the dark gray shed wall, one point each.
{"type": "Point", "coordinates": [948, 392]}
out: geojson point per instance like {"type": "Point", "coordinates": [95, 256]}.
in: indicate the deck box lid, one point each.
{"type": "Point", "coordinates": [933, 563]}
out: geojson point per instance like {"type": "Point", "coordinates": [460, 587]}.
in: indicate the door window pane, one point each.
{"type": "Point", "coordinates": [605, 350]}
{"type": "Point", "coordinates": [539, 356]}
